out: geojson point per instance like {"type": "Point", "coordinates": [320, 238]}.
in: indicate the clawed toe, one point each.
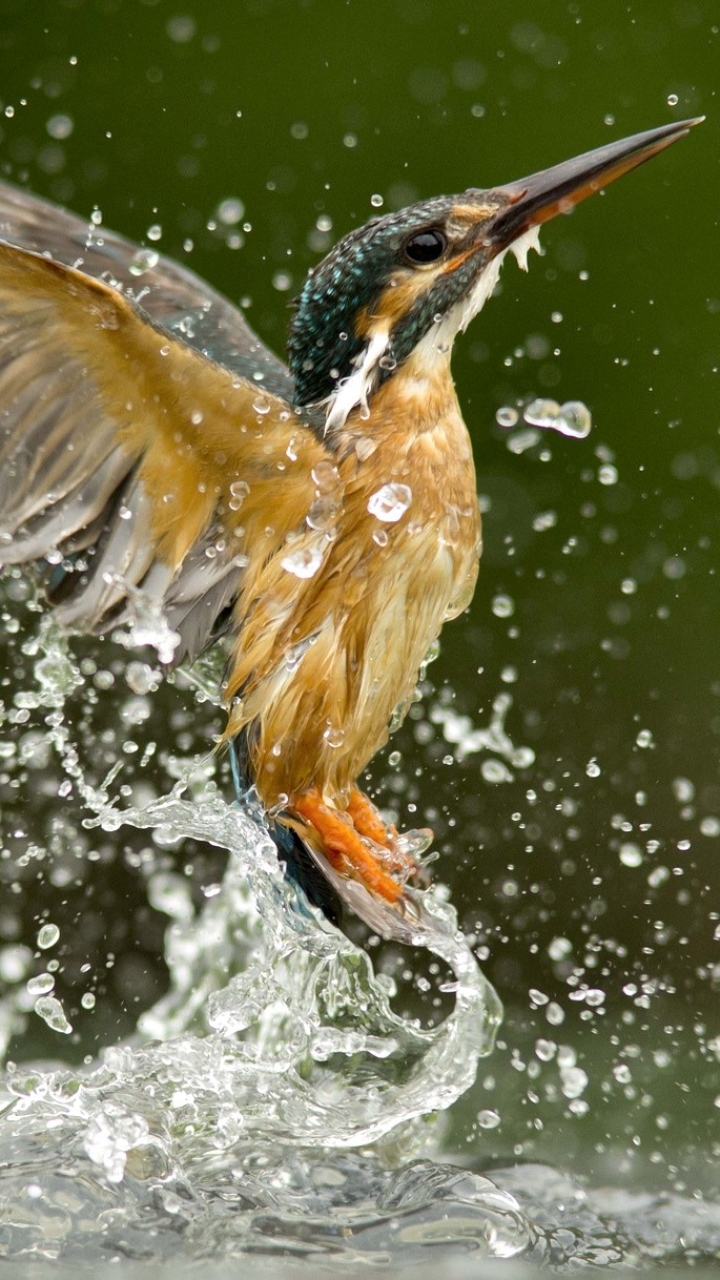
{"type": "Point", "coordinates": [359, 845]}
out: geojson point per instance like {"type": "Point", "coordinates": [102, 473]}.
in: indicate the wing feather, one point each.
{"type": "Point", "coordinates": [174, 298]}
{"type": "Point", "coordinates": [122, 449]}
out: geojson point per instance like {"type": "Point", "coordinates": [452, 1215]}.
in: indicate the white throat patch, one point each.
{"type": "Point", "coordinates": [457, 319]}
{"type": "Point", "coordinates": [355, 389]}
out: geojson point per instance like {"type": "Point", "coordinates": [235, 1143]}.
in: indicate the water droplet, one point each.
{"type": "Point", "coordinates": [364, 447]}
{"type": "Point", "coordinates": [60, 127]}
{"type": "Point", "coordinates": [545, 1050]}
{"type": "Point", "coordinates": [305, 561]}
{"type": "Point", "coordinates": [570, 419]}
{"type": "Point", "coordinates": [573, 1081]}
{"type": "Point", "coordinates": [542, 413]}
{"type": "Point", "coordinates": [631, 855]}
{"type": "Point", "coordinates": [143, 260]}
{"type": "Point", "coordinates": [87, 1000]}
{"type": "Point", "coordinates": [487, 1119]}
{"type": "Point", "coordinates": [51, 1011]}
{"type": "Point", "coordinates": [239, 490]}
{"type": "Point", "coordinates": [575, 420]}
{"type": "Point", "coordinates": [495, 771]}
{"type": "Point", "coordinates": [47, 936]}
{"type": "Point", "coordinates": [141, 678]}
{"type": "Point", "coordinates": [230, 211]}
{"type": "Point", "coordinates": [377, 201]}
{"type": "Point", "coordinates": [181, 28]}
{"type": "Point", "coordinates": [503, 606]}
{"type": "Point", "coordinates": [334, 736]}
{"type": "Point", "coordinates": [390, 503]}
{"type": "Point", "coordinates": [559, 948]}
{"type": "Point", "coordinates": [326, 476]}
{"type": "Point", "coordinates": [506, 416]}
{"type": "Point", "coordinates": [608, 474]}
{"type": "Point", "coordinates": [154, 232]}
{"type": "Point", "coordinates": [684, 790]}
{"type": "Point", "coordinates": [322, 514]}
{"type": "Point", "coordinates": [544, 520]}
{"type": "Point", "coordinates": [592, 768]}
{"type": "Point", "coordinates": [672, 99]}
{"type": "Point", "coordinates": [41, 984]}
{"type": "Point", "coordinates": [523, 440]}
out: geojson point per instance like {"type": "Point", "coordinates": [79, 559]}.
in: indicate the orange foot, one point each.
{"type": "Point", "coordinates": [357, 843]}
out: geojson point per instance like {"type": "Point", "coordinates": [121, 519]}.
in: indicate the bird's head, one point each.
{"type": "Point", "coordinates": [408, 282]}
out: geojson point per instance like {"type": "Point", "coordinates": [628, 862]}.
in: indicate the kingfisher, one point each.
{"type": "Point", "coordinates": [321, 515]}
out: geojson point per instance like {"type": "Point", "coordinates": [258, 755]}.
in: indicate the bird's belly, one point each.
{"type": "Point", "coordinates": [351, 650]}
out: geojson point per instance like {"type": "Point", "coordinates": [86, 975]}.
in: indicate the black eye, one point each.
{"type": "Point", "coordinates": [425, 246]}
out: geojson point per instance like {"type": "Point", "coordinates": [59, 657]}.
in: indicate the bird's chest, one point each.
{"type": "Point", "coordinates": [411, 492]}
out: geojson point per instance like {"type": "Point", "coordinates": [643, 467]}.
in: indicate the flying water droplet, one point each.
{"type": "Point", "coordinates": [495, 771]}
{"type": "Point", "coordinates": [51, 1011]}
{"type": "Point", "coordinates": [503, 606]}
{"type": "Point", "coordinates": [143, 260]}
{"type": "Point", "coordinates": [487, 1119]}
{"type": "Point", "coordinates": [41, 984]}
{"type": "Point", "coordinates": [230, 211]}
{"type": "Point", "coordinates": [47, 936]}
{"type": "Point", "coordinates": [506, 416]}
{"type": "Point", "coordinates": [570, 419]}
{"type": "Point", "coordinates": [542, 413]}
{"type": "Point", "coordinates": [523, 440]}
{"type": "Point", "coordinates": [390, 503]}
{"type": "Point", "coordinates": [575, 420]}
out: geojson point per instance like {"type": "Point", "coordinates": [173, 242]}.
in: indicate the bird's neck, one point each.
{"type": "Point", "coordinates": [418, 399]}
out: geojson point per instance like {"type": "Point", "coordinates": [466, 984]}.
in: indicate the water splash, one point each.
{"type": "Point", "coordinates": [275, 1037]}
{"type": "Point", "coordinates": [276, 1041]}
{"type": "Point", "coordinates": [571, 419]}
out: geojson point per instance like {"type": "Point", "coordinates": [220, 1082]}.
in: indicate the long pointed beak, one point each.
{"type": "Point", "coordinates": [536, 199]}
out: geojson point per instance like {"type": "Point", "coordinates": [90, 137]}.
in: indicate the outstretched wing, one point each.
{"type": "Point", "coordinates": [174, 298]}
{"type": "Point", "coordinates": [137, 467]}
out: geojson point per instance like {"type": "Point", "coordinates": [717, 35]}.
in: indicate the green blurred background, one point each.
{"type": "Point", "coordinates": [595, 867]}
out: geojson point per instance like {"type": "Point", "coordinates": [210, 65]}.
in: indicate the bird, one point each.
{"type": "Point", "coordinates": [318, 517]}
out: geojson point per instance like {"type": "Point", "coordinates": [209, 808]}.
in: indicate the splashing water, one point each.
{"type": "Point", "coordinates": [275, 1038]}
{"type": "Point", "coordinates": [570, 419]}
{"type": "Point", "coordinates": [229, 1124]}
